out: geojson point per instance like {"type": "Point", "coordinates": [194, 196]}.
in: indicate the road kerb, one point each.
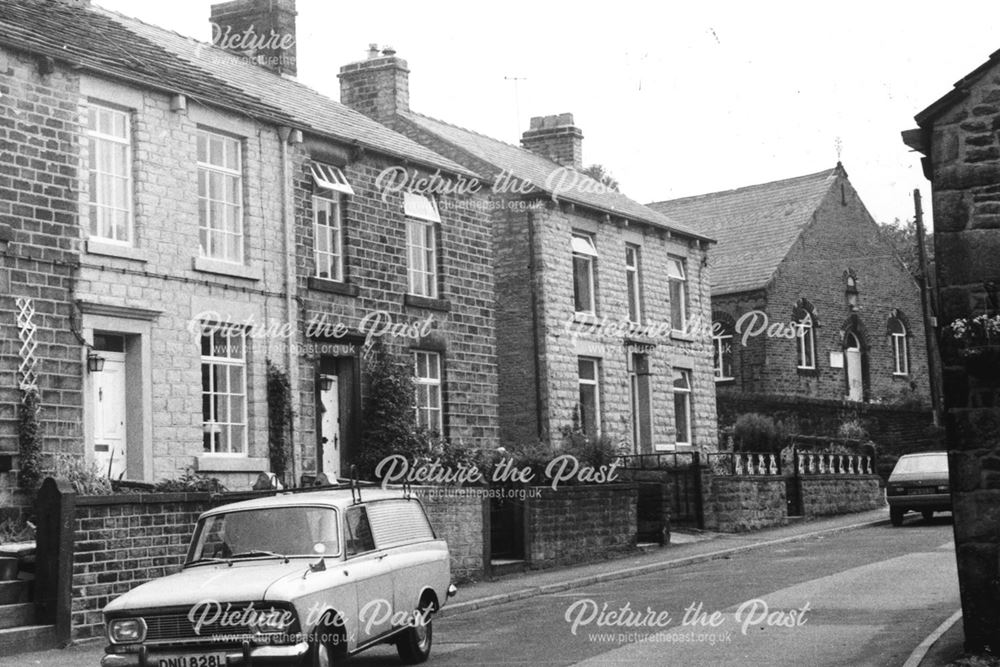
{"type": "Point", "coordinates": [921, 651]}
{"type": "Point", "coordinates": [637, 571]}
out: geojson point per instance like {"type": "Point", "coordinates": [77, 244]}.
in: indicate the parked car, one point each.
{"type": "Point", "coordinates": [919, 482]}
{"type": "Point", "coordinates": [291, 579]}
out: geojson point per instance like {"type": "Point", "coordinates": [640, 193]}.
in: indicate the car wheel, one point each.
{"type": "Point", "coordinates": [928, 515]}
{"type": "Point", "coordinates": [320, 655]}
{"type": "Point", "coordinates": [896, 516]}
{"type": "Point", "coordinates": [323, 649]}
{"type": "Point", "coordinates": [414, 643]}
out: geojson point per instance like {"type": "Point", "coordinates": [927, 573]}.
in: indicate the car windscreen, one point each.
{"type": "Point", "coordinates": [927, 463]}
{"type": "Point", "coordinates": [288, 531]}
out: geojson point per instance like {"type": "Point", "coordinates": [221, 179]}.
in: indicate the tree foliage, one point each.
{"type": "Point", "coordinates": [602, 176]}
{"type": "Point", "coordinates": [903, 237]}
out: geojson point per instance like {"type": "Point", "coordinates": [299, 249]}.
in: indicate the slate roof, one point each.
{"type": "Point", "coordinates": [755, 226]}
{"type": "Point", "coordinates": [109, 43]}
{"type": "Point", "coordinates": [535, 169]}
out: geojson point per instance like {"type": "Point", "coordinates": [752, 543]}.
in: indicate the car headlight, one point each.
{"type": "Point", "coordinates": [274, 621]}
{"type": "Point", "coordinates": [127, 630]}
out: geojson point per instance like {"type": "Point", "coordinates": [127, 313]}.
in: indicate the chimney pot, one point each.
{"type": "Point", "coordinates": [373, 51]}
{"type": "Point", "coordinates": [388, 51]}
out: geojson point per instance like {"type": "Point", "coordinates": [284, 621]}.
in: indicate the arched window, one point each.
{"type": "Point", "coordinates": [900, 350]}
{"type": "Point", "coordinates": [804, 319]}
{"type": "Point", "coordinates": [722, 348]}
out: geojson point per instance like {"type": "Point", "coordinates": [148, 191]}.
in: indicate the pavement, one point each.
{"type": "Point", "coordinates": [686, 547]}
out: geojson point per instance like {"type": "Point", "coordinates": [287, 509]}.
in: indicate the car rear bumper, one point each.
{"type": "Point", "coordinates": [940, 502]}
{"type": "Point", "coordinates": [248, 655]}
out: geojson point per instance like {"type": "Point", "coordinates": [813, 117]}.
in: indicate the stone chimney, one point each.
{"type": "Point", "coordinates": [378, 87]}
{"type": "Point", "coordinates": [261, 30]}
{"type": "Point", "coordinates": [556, 138]}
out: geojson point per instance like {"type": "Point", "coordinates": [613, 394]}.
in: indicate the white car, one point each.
{"type": "Point", "coordinates": [292, 579]}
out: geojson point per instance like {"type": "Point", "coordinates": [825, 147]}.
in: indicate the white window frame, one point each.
{"type": "Point", "coordinates": [900, 351]}
{"type": "Point", "coordinates": [596, 384]}
{"type": "Point", "coordinates": [583, 247]}
{"type": "Point", "coordinates": [719, 343]}
{"type": "Point", "coordinates": [97, 144]}
{"type": "Point", "coordinates": [333, 234]}
{"type": "Point", "coordinates": [633, 282]}
{"type": "Point", "coordinates": [683, 439]}
{"type": "Point", "coordinates": [806, 329]}
{"type": "Point", "coordinates": [210, 230]}
{"type": "Point", "coordinates": [422, 218]}
{"type": "Point", "coordinates": [213, 360]}
{"type": "Point", "coordinates": [427, 415]}
{"type": "Point", "coordinates": [677, 275]}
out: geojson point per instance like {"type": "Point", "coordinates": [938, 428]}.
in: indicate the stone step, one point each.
{"type": "Point", "coordinates": [13, 592]}
{"type": "Point", "coordinates": [16, 615]}
{"type": "Point", "coordinates": [27, 638]}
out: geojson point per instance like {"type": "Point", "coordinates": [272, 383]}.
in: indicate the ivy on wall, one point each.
{"type": "Point", "coordinates": [29, 436]}
{"type": "Point", "coordinates": [279, 418]}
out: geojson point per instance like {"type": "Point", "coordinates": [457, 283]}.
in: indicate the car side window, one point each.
{"type": "Point", "coordinates": [359, 532]}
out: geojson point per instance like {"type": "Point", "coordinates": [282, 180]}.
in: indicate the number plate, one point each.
{"type": "Point", "coordinates": [190, 660]}
{"type": "Point", "coordinates": [921, 491]}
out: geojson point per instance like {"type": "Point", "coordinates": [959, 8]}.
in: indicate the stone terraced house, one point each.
{"type": "Point", "coordinates": [813, 309]}
{"type": "Point", "coordinates": [602, 303]}
{"type": "Point", "coordinates": [179, 218]}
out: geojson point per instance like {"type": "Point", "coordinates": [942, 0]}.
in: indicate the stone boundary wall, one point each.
{"type": "Point", "coordinates": [573, 524]}
{"type": "Point", "coordinates": [740, 504]}
{"type": "Point", "coordinates": [831, 494]}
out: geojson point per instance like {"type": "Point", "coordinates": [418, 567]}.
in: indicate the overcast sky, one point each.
{"type": "Point", "coordinates": [672, 101]}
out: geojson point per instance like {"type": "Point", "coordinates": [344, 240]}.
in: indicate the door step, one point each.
{"type": "Point", "coordinates": [27, 638]}
{"type": "Point", "coordinates": [500, 568]}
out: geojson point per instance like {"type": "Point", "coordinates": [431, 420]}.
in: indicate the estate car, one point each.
{"type": "Point", "coordinates": [292, 579]}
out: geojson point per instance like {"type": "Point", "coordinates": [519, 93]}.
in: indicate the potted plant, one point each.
{"type": "Point", "coordinates": [977, 342]}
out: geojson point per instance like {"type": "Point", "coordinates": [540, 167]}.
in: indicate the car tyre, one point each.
{"type": "Point", "coordinates": [320, 655]}
{"type": "Point", "coordinates": [896, 516]}
{"type": "Point", "coordinates": [928, 515]}
{"type": "Point", "coordinates": [414, 643]}
{"type": "Point", "coordinates": [324, 653]}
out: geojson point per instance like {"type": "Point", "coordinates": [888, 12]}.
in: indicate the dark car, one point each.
{"type": "Point", "coordinates": [919, 482]}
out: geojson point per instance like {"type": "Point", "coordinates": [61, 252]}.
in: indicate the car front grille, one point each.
{"type": "Point", "coordinates": [177, 627]}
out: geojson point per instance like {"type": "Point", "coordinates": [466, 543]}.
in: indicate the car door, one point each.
{"type": "Point", "coordinates": [370, 568]}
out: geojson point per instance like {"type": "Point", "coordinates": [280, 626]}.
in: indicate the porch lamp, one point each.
{"type": "Point", "coordinates": [325, 383]}
{"type": "Point", "coordinates": [95, 362]}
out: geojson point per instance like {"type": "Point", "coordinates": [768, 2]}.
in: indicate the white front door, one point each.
{"type": "Point", "coordinates": [852, 366]}
{"type": "Point", "coordinates": [109, 415]}
{"type": "Point", "coordinates": [329, 426]}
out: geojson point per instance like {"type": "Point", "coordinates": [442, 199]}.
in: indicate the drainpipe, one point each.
{"type": "Point", "coordinates": [291, 311]}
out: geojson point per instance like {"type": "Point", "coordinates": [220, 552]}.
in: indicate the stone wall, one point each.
{"type": "Point", "coordinates": [740, 504]}
{"type": "Point", "coordinates": [829, 494]}
{"type": "Point", "coordinates": [575, 524]}
{"type": "Point", "coordinates": [958, 134]}
{"type": "Point", "coordinates": [460, 521]}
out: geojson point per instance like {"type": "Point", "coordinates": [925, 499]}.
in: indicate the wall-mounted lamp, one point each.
{"type": "Point", "coordinates": [325, 383]}
{"type": "Point", "coordinates": [178, 102]}
{"type": "Point", "coordinates": [95, 363]}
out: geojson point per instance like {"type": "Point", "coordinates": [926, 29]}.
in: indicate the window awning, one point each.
{"type": "Point", "coordinates": [421, 207]}
{"type": "Point", "coordinates": [675, 269]}
{"type": "Point", "coordinates": [584, 245]}
{"type": "Point", "coordinates": [328, 177]}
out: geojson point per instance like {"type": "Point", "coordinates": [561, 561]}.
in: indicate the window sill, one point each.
{"type": "Point", "coordinates": [900, 376]}
{"type": "Point", "coordinates": [230, 463]}
{"type": "Point", "coordinates": [231, 269]}
{"type": "Point", "coordinates": [585, 317]}
{"type": "Point", "coordinates": [99, 247]}
{"type": "Point", "coordinates": [724, 380]}
{"type": "Point", "coordinates": [333, 286]}
{"type": "Point", "coordinates": [809, 372]}
{"type": "Point", "coordinates": [415, 301]}
{"type": "Point", "coordinates": [680, 335]}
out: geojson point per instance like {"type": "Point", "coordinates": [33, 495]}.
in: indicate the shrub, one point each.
{"type": "Point", "coordinates": [754, 432]}
{"type": "Point", "coordinates": [86, 477]}
{"type": "Point", "coordinates": [16, 530]}
{"type": "Point", "coordinates": [388, 420]}
{"type": "Point", "coordinates": [29, 436]}
{"type": "Point", "coordinates": [190, 481]}
{"type": "Point", "coordinates": [852, 429]}
{"type": "Point", "coordinates": [279, 417]}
